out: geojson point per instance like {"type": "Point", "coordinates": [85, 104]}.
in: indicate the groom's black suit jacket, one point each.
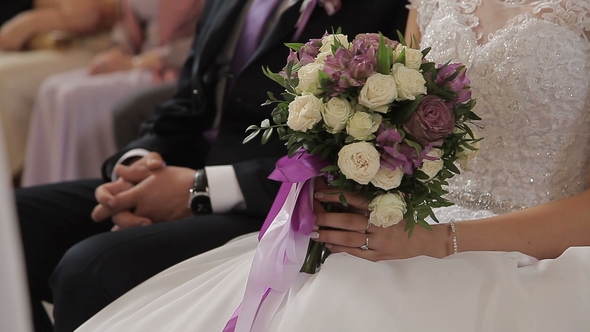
{"type": "Point", "coordinates": [176, 130]}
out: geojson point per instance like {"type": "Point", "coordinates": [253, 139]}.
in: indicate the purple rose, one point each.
{"type": "Point", "coordinates": [459, 84]}
{"type": "Point", "coordinates": [430, 122]}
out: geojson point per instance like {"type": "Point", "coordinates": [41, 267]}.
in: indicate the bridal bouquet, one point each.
{"type": "Point", "coordinates": [373, 117]}
{"type": "Point", "coordinates": [391, 125]}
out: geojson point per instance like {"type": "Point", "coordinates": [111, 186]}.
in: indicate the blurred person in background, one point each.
{"type": "Point", "coordinates": [71, 129]}
{"type": "Point", "coordinates": [38, 39]}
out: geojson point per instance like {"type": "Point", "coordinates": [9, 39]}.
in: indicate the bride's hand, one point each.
{"type": "Point", "coordinates": [351, 231]}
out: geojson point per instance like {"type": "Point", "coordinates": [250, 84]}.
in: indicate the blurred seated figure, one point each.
{"type": "Point", "coordinates": [58, 35]}
{"type": "Point", "coordinates": [73, 16]}
{"type": "Point", "coordinates": [71, 130]}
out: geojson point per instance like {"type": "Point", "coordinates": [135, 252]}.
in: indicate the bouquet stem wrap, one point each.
{"type": "Point", "coordinates": [284, 240]}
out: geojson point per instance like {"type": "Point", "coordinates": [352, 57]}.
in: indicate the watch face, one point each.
{"type": "Point", "coordinates": [201, 204]}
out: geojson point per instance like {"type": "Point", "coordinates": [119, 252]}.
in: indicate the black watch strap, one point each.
{"type": "Point", "coordinates": [199, 202]}
{"type": "Point", "coordinates": [200, 181]}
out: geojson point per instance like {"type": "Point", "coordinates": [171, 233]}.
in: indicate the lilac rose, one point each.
{"type": "Point", "coordinates": [430, 122]}
{"type": "Point", "coordinates": [459, 84]}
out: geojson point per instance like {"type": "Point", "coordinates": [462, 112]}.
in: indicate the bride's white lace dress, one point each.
{"type": "Point", "coordinates": [529, 62]}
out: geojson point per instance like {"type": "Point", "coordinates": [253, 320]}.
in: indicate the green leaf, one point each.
{"type": "Point", "coordinates": [251, 136]}
{"type": "Point", "coordinates": [282, 132]}
{"type": "Point", "coordinates": [401, 58]}
{"type": "Point", "coordinates": [266, 135]}
{"type": "Point", "coordinates": [265, 123]}
{"type": "Point", "coordinates": [342, 199]}
{"type": "Point", "coordinates": [401, 38]}
{"type": "Point", "coordinates": [415, 145]}
{"type": "Point", "coordinates": [384, 56]}
{"type": "Point", "coordinates": [451, 167]}
{"type": "Point", "coordinates": [405, 110]}
{"type": "Point", "coordinates": [252, 127]}
{"type": "Point", "coordinates": [424, 224]}
{"type": "Point", "coordinates": [294, 148]}
{"type": "Point", "coordinates": [421, 175]}
{"type": "Point", "coordinates": [273, 76]}
{"type": "Point", "coordinates": [331, 168]}
{"type": "Point", "coordinates": [294, 46]}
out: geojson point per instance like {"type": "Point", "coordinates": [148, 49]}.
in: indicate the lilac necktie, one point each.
{"type": "Point", "coordinates": [252, 32]}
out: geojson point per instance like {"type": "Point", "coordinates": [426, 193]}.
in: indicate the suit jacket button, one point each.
{"type": "Point", "coordinates": [195, 91]}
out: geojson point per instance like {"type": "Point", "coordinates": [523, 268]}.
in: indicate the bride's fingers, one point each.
{"type": "Point", "coordinates": [348, 221]}
{"type": "Point", "coordinates": [333, 196]}
{"type": "Point", "coordinates": [340, 238]}
{"type": "Point", "coordinates": [318, 207]}
{"type": "Point", "coordinates": [320, 183]}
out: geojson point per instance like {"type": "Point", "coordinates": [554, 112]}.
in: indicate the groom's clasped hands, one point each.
{"type": "Point", "coordinates": [146, 192]}
{"type": "Point", "coordinates": [348, 231]}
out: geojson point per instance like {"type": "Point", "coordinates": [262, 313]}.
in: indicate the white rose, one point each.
{"type": "Point", "coordinates": [359, 162]}
{"type": "Point", "coordinates": [309, 79]}
{"type": "Point", "coordinates": [379, 91]}
{"type": "Point", "coordinates": [432, 167]}
{"type": "Point", "coordinates": [387, 210]}
{"type": "Point", "coordinates": [465, 156]}
{"type": "Point", "coordinates": [336, 113]}
{"type": "Point", "coordinates": [362, 125]}
{"type": "Point", "coordinates": [413, 57]}
{"type": "Point", "coordinates": [388, 179]}
{"type": "Point", "coordinates": [409, 82]}
{"type": "Point", "coordinates": [304, 112]}
{"type": "Point", "coordinates": [321, 58]}
{"type": "Point", "coordinates": [328, 41]}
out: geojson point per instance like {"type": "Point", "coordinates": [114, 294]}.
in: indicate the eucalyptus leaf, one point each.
{"type": "Point", "coordinates": [282, 132]}
{"type": "Point", "coordinates": [266, 135]}
{"type": "Point", "coordinates": [252, 127]}
{"type": "Point", "coordinates": [251, 136]}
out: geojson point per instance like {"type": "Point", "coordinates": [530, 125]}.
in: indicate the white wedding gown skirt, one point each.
{"type": "Point", "coordinates": [470, 291]}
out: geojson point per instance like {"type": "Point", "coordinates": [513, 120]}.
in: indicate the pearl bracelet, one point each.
{"type": "Point", "coordinates": [453, 230]}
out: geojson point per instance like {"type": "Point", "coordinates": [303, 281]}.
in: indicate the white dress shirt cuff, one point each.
{"type": "Point", "coordinates": [129, 154]}
{"type": "Point", "coordinates": [224, 189]}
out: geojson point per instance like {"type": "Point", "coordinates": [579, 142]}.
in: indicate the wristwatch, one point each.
{"type": "Point", "coordinates": [199, 202]}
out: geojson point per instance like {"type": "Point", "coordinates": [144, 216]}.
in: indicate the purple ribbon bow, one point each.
{"type": "Point", "coordinates": [284, 238]}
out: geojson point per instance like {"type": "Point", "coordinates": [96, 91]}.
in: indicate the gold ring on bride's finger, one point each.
{"type": "Point", "coordinates": [368, 225]}
{"type": "Point", "coordinates": [366, 245]}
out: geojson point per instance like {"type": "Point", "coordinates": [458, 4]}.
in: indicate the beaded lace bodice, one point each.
{"type": "Point", "coordinates": [529, 63]}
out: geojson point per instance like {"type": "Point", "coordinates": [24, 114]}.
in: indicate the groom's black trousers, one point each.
{"type": "Point", "coordinates": [80, 266]}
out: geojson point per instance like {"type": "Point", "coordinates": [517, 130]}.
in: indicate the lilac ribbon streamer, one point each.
{"type": "Point", "coordinates": [298, 169]}
{"type": "Point", "coordinates": [281, 250]}
{"type": "Point", "coordinates": [304, 18]}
